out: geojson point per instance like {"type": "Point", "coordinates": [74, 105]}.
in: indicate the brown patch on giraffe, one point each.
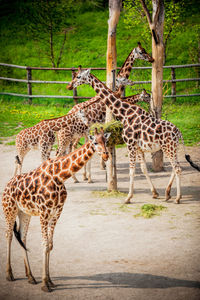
{"type": "Point", "coordinates": [50, 169]}
{"type": "Point", "coordinates": [44, 165]}
{"type": "Point", "coordinates": [150, 131]}
{"type": "Point", "coordinates": [148, 122]}
{"type": "Point", "coordinates": [159, 129]}
{"type": "Point", "coordinates": [145, 137]}
{"type": "Point", "coordinates": [63, 196]}
{"type": "Point", "coordinates": [80, 162]}
{"type": "Point", "coordinates": [118, 103]}
{"type": "Point", "coordinates": [139, 111]}
{"type": "Point", "coordinates": [75, 168]}
{"type": "Point", "coordinates": [144, 127]}
{"type": "Point", "coordinates": [57, 167]}
{"type": "Point", "coordinates": [49, 204]}
{"type": "Point", "coordinates": [65, 174]}
{"type": "Point", "coordinates": [45, 178]}
{"type": "Point", "coordinates": [74, 156]}
{"type": "Point", "coordinates": [125, 105]}
{"type": "Point", "coordinates": [66, 163]}
{"type": "Point", "coordinates": [51, 186]}
{"type": "Point", "coordinates": [122, 111]}
{"type": "Point", "coordinates": [112, 98]}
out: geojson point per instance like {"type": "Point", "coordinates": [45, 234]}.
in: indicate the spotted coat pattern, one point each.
{"type": "Point", "coordinates": [42, 193]}
{"type": "Point", "coordinates": [141, 132]}
{"type": "Point", "coordinates": [42, 135]}
{"type": "Point", "coordinates": [96, 112]}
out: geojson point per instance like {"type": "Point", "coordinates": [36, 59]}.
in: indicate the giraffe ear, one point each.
{"type": "Point", "coordinates": [88, 71]}
{"type": "Point", "coordinates": [107, 135]}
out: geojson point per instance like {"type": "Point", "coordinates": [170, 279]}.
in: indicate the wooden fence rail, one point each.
{"type": "Point", "coordinates": [75, 96]}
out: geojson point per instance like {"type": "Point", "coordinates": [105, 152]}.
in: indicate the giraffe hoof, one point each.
{"type": "Point", "coordinates": [167, 197]}
{"type": "Point", "coordinates": [51, 284]}
{"type": "Point", "coordinates": [128, 201]}
{"type": "Point", "coordinates": [155, 195]}
{"type": "Point", "coordinates": [85, 178]}
{"type": "Point", "coordinates": [32, 280]}
{"type": "Point", "coordinates": [46, 288]}
{"type": "Point", "coordinates": [90, 181]}
{"type": "Point", "coordinates": [10, 277]}
{"type": "Point", "coordinates": [76, 181]}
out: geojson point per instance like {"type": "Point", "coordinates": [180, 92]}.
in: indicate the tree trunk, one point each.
{"type": "Point", "coordinates": [114, 13]}
{"type": "Point", "coordinates": [157, 72]}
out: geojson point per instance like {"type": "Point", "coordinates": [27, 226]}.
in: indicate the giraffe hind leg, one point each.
{"type": "Point", "coordinates": [24, 221]}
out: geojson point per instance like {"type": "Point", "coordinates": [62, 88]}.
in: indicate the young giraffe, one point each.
{"type": "Point", "coordinates": [141, 132]}
{"type": "Point", "coordinates": [97, 112]}
{"type": "Point", "coordinates": [42, 135]}
{"type": "Point", "coordinates": [42, 193]}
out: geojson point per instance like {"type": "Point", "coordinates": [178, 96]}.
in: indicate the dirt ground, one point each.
{"type": "Point", "coordinates": [101, 250]}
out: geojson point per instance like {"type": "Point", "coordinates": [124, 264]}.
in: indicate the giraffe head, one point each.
{"type": "Point", "coordinates": [140, 53]}
{"type": "Point", "coordinates": [123, 81]}
{"type": "Point", "coordinates": [145, 97]}
{"type": "Point", "coordinates": [99, 141]}
{"type": "Point", "coordinates": [81, 115]}
{"type": "Point", "coordinates": [81, 77]}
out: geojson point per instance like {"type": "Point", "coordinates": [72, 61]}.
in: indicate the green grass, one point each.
{"type": "Point", "coordinates": [86, 45]}
{"type": "Point", "coordinates": [148, 211]}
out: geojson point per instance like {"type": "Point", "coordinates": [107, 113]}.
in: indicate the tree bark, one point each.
{"type": "Point", "coordinates": [114, 14]}
{"type": "Point", "coordinates": [157, 72]}
{"type": "Point", "coordinates": [156, 25]}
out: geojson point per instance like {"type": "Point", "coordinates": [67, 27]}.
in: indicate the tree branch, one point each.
{"type": "Point", "coordinates": [146, 12]}
{"type": "Point", "coordinates": [62, 48]}
{"type": "Point", "coordinates": [155, 19]}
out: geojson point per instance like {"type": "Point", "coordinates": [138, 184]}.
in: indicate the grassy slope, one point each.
{"type": "Point", "coordinates": [86, 45]}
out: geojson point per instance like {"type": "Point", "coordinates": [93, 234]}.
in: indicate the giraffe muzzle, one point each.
{"type": "Point", "coordinates": [69, 87]}
{"type": "Point", "coordinates": [105, 156]}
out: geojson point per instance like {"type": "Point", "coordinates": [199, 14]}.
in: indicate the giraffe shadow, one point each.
{"type": "Point", "coordinates": [125, 280]}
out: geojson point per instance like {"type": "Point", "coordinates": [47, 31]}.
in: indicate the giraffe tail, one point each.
{"type": "Point", "coordinates": [187, 156]}
{"type": "Point", "coordinates": [18, 161]}
{"type": "Point", "coordinates": [18, 236]}
{"type": "Point", "coordinates": [195, 166]}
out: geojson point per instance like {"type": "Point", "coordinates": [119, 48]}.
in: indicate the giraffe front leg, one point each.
{"type": "Point", "coordinates": [9, 235]}
{"type": "Point", "coordinates": [88, 168]}
{"type": "Point", "coordinates": [45, 269]}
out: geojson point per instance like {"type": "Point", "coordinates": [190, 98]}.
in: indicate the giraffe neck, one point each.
{"type": "Point", "coordinates": [119, 108]}
{"type": "Point", "coordinates": [74, 161]}
{"type": "Point", "coordinates": [126, 70]}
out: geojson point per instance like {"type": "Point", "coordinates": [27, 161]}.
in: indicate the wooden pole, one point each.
{"type": "Point", "coordinates": [114, 14]}
{"type": "Point", "coordinates": [74, 89]}
{"type": "Point", "coordinates": [29, 86]}
{"type": "Point", "coordinates": [173, 88]}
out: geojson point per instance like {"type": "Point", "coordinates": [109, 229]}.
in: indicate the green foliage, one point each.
{"type": "Point", "coordinates": [135, 19]}
{"type": "Point", "coordinates": [150, 210]}
{"type": "Point", "coordinates": [115, 127]}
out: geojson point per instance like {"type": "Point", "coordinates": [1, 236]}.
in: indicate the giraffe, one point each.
{"type": "Point", "coordinates": [97, 111]}
{"type": "Point", "coordinates": [42, 193]}
{"type": "Point", "coordinates": [42, 135]}
{"type": "Point", "coordinates": [141, 132]}
{"type": "Point", "coordinates": [99, 116]}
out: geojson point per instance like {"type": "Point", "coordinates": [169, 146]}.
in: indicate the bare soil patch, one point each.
{"type": "Point", "coordinates": [101, 250]}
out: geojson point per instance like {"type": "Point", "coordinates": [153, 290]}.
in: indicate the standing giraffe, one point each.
{"type": "Point", "coordinates": [42, 193]}
{"type": "Point", "coordinates": [42, 135]}
{"type": "Point", "coordinates": [141, 132]}
{"type": "Point", "coordinates": [97, 112]}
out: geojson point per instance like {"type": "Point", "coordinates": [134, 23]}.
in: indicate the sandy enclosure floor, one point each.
{"type": "Point", "coordinates": [101, 250]}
